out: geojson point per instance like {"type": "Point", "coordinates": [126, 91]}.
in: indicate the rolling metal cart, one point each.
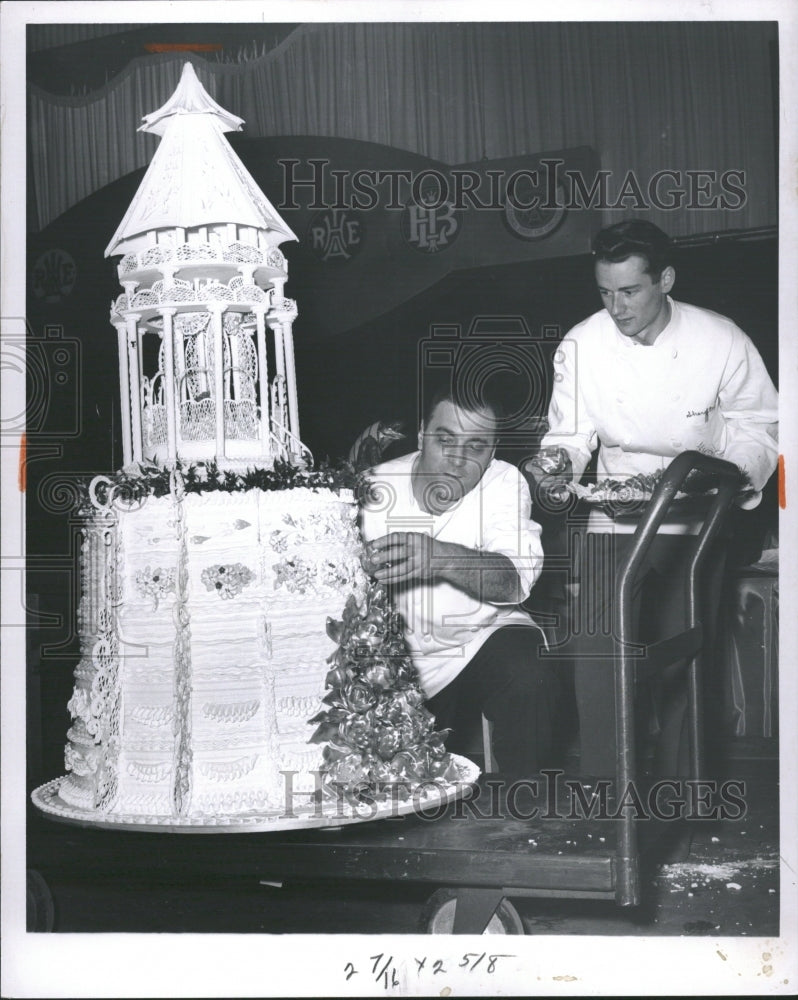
{"type": "Point", "coordinates": [478, 852]}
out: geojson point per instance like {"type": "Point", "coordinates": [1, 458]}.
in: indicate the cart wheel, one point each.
{"type": "Point", "coordinates": [437, 916]}
{"type": "Point", "coordinates": [39, 903]}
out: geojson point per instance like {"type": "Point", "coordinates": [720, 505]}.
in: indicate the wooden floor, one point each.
{"type": "Point", "coordinates": [729, 885]}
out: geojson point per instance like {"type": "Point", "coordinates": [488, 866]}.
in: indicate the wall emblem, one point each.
{"type": "Point", "coordinates": [539, 220]}
{"type": "Point", "coordinates": [335, 234]}
{"type": "Point", "coordinates": [429, 226]}
{"type": "Point", "coordinates": [54, 275]}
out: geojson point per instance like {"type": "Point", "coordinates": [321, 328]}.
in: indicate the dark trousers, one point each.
{"type": "Point", "coordinates": [509, 683]}
{"type": "Point", "coordinates": [659, 610]}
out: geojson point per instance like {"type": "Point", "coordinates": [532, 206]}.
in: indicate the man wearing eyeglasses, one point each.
{"type": "Point", "coordinates": [642, 380]}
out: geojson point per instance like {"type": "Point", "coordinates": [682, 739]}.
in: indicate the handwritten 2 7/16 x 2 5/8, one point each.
{"type": "Point", "coordinates": [385, 972]}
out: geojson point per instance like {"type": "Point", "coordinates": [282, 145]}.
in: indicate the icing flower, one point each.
{"type": "Point", "coordinates": [293, 574]}
{"type": "Point", "coordinates": [156, 583]}
{"type": "Point", "coordinates": [389, 743]}
{"type": "Point", "coordinates": [359, 697]}
{"type": "Point", "coordinates": [356, 732]}
{"type": "Point", "coordinates": [378, 675]}
{"type": "Point", "coordinates": [227, 580]}
{"type": "Point", "coordinates": [278, 541]}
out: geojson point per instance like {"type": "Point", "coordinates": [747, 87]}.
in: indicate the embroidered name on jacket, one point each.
{"type": "Point", "coordinates": [702, 413]}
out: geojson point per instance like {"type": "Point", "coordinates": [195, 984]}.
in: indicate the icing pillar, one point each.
{"type": "Point", "coordinates": [169, 384]}
{"type": "Point", "coordinates": [124, 385]}
{"type": "Point", "coordinates": [285, 312]}
{"type": "Point", "coordinates": [290, 368]}
{"type": "Point", "coordinates": [218, 376]}
{"type": "Point", "coordinates": [134, 386]}
{"type": "Point", "coordinates": [263, 381]}
{"type": "Point", "coordinates": [278, 407]}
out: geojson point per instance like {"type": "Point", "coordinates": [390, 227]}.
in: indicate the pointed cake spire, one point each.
{"type": "Point", "coordinates": [195, 178]}
{"type": "Point", "coordinates": [189, 98]}
{"type": "Point", "coordinates": [206, 347]}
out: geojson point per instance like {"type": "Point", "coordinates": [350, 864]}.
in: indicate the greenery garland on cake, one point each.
{"type": "Point", "coordinates": [381, 740]}
{"type": "Point", "coordinates": [134, 484]}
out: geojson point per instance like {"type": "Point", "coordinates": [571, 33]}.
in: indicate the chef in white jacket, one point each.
{"type": "Point", "coordinates": [448, 530]}
{"type": "Point", "coordinates": [644, 379]}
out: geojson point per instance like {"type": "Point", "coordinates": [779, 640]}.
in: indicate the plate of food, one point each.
{"type": "Point", "coordinates": [629, 496]}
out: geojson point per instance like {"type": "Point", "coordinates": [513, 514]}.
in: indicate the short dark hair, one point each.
{"type": "Point", "coordinates": [636, 237]}
{"type": "Point", "coordinates": [452, 392]}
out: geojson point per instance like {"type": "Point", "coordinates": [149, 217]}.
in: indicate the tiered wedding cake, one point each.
{"type": "Point", "coordinates": [211, 563]}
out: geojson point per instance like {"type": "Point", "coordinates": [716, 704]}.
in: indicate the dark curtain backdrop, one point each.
{"type": "Point", "coordinates": [645, 96]}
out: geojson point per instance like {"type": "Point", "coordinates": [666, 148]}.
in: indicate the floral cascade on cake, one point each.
{"type": "Point", "coordinates": [381, 743]}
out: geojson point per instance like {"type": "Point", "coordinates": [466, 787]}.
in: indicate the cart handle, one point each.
{"type": "Point", "coordinates": [730, 479]}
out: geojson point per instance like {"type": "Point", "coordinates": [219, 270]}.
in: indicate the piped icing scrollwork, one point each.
{"type": "Point", "coordinates": [228, 770]}
{"type": "Point", "coordinates": [232, 713]}
{"type": "Point", "coordinates": [181, 789]}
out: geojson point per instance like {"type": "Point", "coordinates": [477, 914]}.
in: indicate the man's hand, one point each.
{"type": "Point", "coordinates": [399, 557]}
{"type": "Point", "coordinates": [411, 557]}
{"type": "Point", "coordinates": [549, 471]}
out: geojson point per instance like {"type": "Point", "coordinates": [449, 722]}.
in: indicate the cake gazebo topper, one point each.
{"type": "Point", "coordinates": [203, 280]}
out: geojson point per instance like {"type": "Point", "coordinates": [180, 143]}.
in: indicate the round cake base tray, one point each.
{"type": "Point", "coordinates": [427, 799]}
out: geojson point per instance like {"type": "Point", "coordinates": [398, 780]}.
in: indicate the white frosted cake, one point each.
{"type": "Point", "coordinates": [212, 565]}
{"type": "Point", "coordinates": [204, 649]}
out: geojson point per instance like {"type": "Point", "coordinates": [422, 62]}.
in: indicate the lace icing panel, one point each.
{"type": "Point", "coordinates": [231, 713]}
{"type": "Point", "coordinates": [153, 716]}
{"type": "Point", "coordinates": [242, 253]}
{"type": "Point", "coordinates": [297, 707]}
{"type": "Point", "coordinates": [148, 774]}
{"type": "Point", "coordinates": [228, 770]}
